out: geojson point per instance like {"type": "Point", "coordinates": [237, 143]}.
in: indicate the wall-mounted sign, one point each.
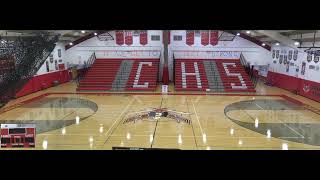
{"type": "Point", "coordinates": [316, 59]}
{"type": "Point", "coordinates": [47, 66]}
{"type": "Point", "coordinates": [273, 54]}
{"type": "Point", "coordinates": [303, 69]}
{"type": "Point", "coordinates": [51, 58]}
{"type": "Point", "coordinates": [164, 89]}
{"type": "Point", "coordinates": [290, 55]}
{"type": "Point", "coordinates": [295, 55]}
{"type": "Point", "coordinates": [285, 59]}
{"type": "Point", "coordinates": [56, 64]}
{"type": "Point", "coordinates": [312, 67]}
{"type": "Point", "coordinates": [309, 57]}
{"type": "Point", "coordinates": [59, 53]}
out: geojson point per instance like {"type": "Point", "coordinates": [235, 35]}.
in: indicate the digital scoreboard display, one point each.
{"type": "Point", "coordinates": [18, 135]}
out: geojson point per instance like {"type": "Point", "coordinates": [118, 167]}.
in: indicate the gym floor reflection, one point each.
{"type": "Point", "coordinates": [88, 121]}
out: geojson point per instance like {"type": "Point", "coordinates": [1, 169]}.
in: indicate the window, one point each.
{"type": "Point", "coordinates": [155, 38]}
{"type": "Point", "coordinates": [197, 33]}
{"type": "Point", "coordinates": [177, 38]}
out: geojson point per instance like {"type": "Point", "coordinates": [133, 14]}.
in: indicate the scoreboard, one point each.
{"type": "Point", "coordinates": [18, 135]}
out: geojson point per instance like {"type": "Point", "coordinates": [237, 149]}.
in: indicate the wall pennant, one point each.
{"type": "Point", "coordinates": [189, 37]}
{"type": "Point", "coordinates": [205, 37]}
{"type": "Point", "coordinates": [128, 37]}
{"type": "Point", "coordinates": [143, 37]}
{"type": "Point", "coordinates": [214, 37]}
{"type": "Point", "coordinates": [119, 38]}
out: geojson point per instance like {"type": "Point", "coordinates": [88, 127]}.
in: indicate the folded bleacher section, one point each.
{"type": "Point", "coordinates": [121, 75]}
{"type": "Point", "coordinates": [211, 75]}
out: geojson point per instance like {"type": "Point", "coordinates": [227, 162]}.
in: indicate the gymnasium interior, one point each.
{"type": "Point", "coordinates": [160, 89]}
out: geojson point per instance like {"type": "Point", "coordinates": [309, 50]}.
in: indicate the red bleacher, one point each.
{"type": "Point", "coordinates": [102, 73]}
{"type": "Point", "coordinates": [148, 75]}
{"type": "Point", "coordinates": [233, 79]}
{"type": "Point", "coordinates": [191, 79]}
{"type": "Point", "coordinates": [231, 82]}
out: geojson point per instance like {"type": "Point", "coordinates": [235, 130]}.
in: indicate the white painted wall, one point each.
{"type": "Point", "coordinates": [43, 69]}
{"type": "Point", "coordinates": [310, 74]}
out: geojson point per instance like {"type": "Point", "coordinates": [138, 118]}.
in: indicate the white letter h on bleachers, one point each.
{"type": "Point", "coordinates": [185, 74]}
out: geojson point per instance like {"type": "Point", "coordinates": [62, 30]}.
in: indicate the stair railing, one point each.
{"type": "Point", "coordinates": [249, 70]}
{"type": "Point", "coordinates": [87, 66]}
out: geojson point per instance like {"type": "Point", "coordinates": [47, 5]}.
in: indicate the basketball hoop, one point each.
{"type": "Point", "coordinates": [105, 37]}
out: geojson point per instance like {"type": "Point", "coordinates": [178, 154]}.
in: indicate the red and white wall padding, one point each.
{"type": "Point", "coordinates": [44, 81]}
{"type": "Point", "coordinates": [309, 89]}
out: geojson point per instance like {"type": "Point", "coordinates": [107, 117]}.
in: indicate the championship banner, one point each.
{"type": "Point", "coordinates": [189, 37]}
{"type": "Point", "coordinates": [143, 37]}
{"type": "Point", "coordinates": [204, 38]}
{"type": "Point", "coordinates": [128, 37]}
{"type": "Point", "coordinates": [214, 37]}
{"type": "Point", "coordinates": [119, 37]}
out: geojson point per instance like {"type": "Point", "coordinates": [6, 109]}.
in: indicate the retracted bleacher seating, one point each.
{"type": "Point", "coordinates": [211, 75]}
{"type": "Point", "coordinates": [121, 75]}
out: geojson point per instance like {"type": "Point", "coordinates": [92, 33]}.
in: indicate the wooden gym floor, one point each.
{"type": "Point", "coordinates": [265, 120]}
